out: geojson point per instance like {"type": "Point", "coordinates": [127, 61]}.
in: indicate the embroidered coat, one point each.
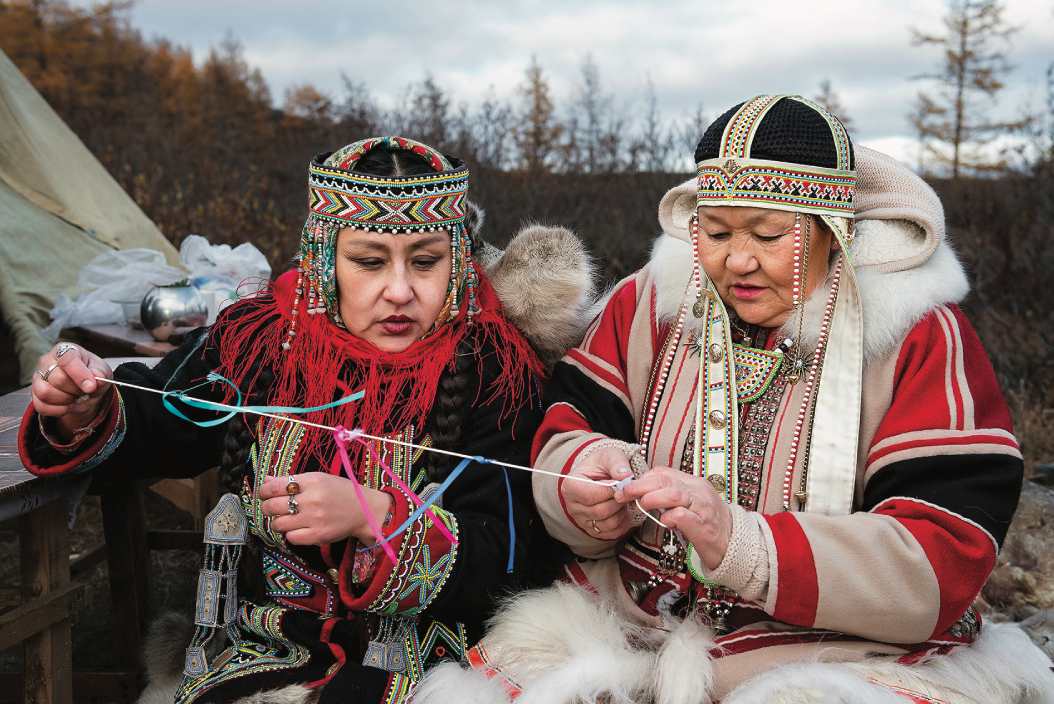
{"type": "Point", "coordinates": [307, 619]}
{"type": "Point", "coordinates": [936, 483]}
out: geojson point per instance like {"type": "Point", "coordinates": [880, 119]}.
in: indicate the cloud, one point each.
{"type": "Point", "coordinates": [694, 52]}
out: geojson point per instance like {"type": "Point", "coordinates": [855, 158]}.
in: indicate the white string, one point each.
{"type": "Point", "coordinates": [237, 409]}
{"type": "Point", "coordinates": [223, 406]}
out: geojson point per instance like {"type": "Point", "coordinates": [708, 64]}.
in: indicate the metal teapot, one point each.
{"type": "Point", "coordinates": [166, 308]}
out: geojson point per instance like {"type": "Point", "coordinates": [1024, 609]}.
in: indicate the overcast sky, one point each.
{"type": "Point", "coordinates": [695, 51]}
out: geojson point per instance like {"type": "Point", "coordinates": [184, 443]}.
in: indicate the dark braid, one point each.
{"type": "Point", "coordinates": [448, 410]}
{"type": "Point", "coordinates": [234, 463]}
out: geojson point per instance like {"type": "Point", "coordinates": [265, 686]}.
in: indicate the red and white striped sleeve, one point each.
{"type": "Point", "coordinates": [943, 475]}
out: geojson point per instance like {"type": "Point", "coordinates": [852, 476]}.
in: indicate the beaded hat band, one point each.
{"type": "Point", "coordinates": [417, 203]}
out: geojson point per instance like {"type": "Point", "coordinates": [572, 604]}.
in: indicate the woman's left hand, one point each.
{"type": "Point", "coordinates": [327, 509]}
{"type": "Point", "coordinates": [690, 504]}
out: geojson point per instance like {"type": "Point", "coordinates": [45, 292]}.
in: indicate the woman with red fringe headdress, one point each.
{"type": "Point", "coordinates": [387, 307]}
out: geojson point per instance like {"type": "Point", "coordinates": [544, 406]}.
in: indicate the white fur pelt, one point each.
{"type": "Point", "coordinates": [1001, 667]}
{"type": "Point", "coordinates": [566, 646]}
{"type": "Point", "coordinates": [164, 655]}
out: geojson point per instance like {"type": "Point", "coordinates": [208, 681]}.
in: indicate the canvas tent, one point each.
{"type": "Point", "coordinates": [59, 207]}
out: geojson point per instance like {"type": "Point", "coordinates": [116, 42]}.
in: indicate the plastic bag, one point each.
{"type": "Point", "coordinates": [120, 275]}
{"type": "Point", "coordinates": [217, 270]}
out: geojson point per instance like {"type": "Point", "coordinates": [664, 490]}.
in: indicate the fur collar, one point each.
{"type": "Point", "coordinates": [893, 302]}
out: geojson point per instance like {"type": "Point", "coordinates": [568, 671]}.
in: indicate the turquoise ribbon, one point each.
{"type": "Point", "coordinates": [211, 406]}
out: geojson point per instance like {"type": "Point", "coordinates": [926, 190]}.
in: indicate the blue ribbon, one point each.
{"type": "Point", "coordinates": [512, 525]}
{"type": "Point", "coordinates": [209, 405]}
{"type": "Point", "coordinates": [439, 492]}
{"type": "Point", "coordinates": [427, 504]}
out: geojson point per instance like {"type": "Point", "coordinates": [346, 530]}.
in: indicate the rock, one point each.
{"type": "Point", "coordinates": [1024, 570]}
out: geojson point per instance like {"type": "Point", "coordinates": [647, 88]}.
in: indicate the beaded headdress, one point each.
{"type": "Point", "coordinates": [781, 152]}
{"type": "Point", "coordinates": [339, 197]}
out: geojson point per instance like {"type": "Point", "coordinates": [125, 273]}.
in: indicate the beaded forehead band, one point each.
{"type": "Point", "coordinates": [339, 197]}
{"type": "Point", "coordinates": [418, 203]}
{"type": "Point", "coordinates": [735, 178]}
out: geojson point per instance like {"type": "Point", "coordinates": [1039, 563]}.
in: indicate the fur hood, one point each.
{"type": "Point", "coordinates": [905, 267]}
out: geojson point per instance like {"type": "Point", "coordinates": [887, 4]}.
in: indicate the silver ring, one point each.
{"type": "Point", "coordinates": [292, 487]}
{"type": "Point", "coordinates": [64, 347]}
{"type": "Point", "coordinates": [292, 511]}
{"type": "Point", "coordinates": [46, 373]}
{"type": "Point", "coordinates": [292, 503]}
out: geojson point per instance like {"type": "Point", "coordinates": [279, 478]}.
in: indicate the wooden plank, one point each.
{"type": "Point", "coordinates": [42, 612]}
{"type": "Point", "coordinates": [11, 596]}
{"type": "Point", "coordinates": [179, 491]}
{"type": "Point", "coordinates": [44, 564]}
{"type": "Point", "coordinates": [83, 564]}
{"type": "Point", "coordinates": [206, 494]}
{"type": "Point", "coordinates": [176, 540]}
{"type": "Point", "coordinates": [101, 686]}
{"type": "Point", "coordinates": [130, 573]}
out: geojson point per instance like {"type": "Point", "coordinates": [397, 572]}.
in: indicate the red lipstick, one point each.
{"type": "Point", "coordinates": [397, 324]}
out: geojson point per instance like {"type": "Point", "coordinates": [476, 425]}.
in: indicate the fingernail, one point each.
{"type": "Point", "coordinates": [86, 385]}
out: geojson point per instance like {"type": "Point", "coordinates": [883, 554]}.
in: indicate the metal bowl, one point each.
{"type": "Point", "coordinates": [166, 308]}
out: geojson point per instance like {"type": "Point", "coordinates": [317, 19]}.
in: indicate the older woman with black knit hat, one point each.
{"type": "Point", "coordinates": [797, 447]}
{"type": "Point", "coordinates": [387, 301]}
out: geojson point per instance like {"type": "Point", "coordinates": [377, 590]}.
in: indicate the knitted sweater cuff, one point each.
{"type": "Point", "coordinates": [745, 567]}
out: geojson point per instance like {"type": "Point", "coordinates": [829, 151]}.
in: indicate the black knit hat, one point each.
{"type": "Point", "coordinates": [791, 130]}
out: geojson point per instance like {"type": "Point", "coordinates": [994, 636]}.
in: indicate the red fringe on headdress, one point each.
{"type": "Point", "coordinates": [325, 363]}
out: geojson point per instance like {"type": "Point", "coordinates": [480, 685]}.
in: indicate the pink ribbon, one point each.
{"type": "Point", "coordinates": [342, 435]}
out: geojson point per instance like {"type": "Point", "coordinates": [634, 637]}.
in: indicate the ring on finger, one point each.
{"type": "Point", "coordinates": [292, 503]}
{"type": "Point", "coordinates": [292, 510]}
{"type": "Point", "coordinates": [594, 524]}
{"type": "Point", "coordinates": [292, 487]}
{"type": "Point", "coordinates": [64, 347]}
{"type": "Point", "coordinates": [47, 372]}
{"type": "Point", "coordinates": [690, 500]}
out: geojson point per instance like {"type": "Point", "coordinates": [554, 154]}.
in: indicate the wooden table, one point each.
{"type": "Point", "coordinates": [118, 341]}
{"type": "Point", "coordinates": [44, 520]}
{"type": "Point", "coordinates": [46, 596]}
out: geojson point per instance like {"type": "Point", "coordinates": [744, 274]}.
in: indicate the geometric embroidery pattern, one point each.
{"type": "Point", "coordinates": [426, 577]}
{"type": "Point", "coordinates": [760, 183]}
{"type": "Point", "coordinates": [273, 651]}
{"type": "Point", "coordinates": [755, 370]}
{"type": "Point", "coordinates": [281, 578]}
{"type": "Point", "coordinates": [435, 200]}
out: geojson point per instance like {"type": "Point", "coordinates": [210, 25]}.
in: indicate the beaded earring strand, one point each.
{"type": "Point", "coordinates": [796, 359]}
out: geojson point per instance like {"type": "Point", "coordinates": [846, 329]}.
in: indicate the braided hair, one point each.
{"type": "Point", "coordinates": [237, 443]}
{"type": "Point", "coordinates": [449, 410]}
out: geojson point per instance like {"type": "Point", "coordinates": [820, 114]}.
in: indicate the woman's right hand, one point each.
{"type": "Point", "coordinates": [70, 392]}
{"type": "Point", "coordinates": [593, 506]}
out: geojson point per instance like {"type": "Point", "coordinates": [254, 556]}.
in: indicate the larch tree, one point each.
{"type": "Point", "coordinates": [537, 133]}
{"type": "Point", "coordinates": [832, 103]}
{"type": "Point", "coordinates": [969, 77]}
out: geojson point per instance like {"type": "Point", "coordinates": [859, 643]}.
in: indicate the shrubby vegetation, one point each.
{"type": "Point", "coordinates": [202, 150]}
